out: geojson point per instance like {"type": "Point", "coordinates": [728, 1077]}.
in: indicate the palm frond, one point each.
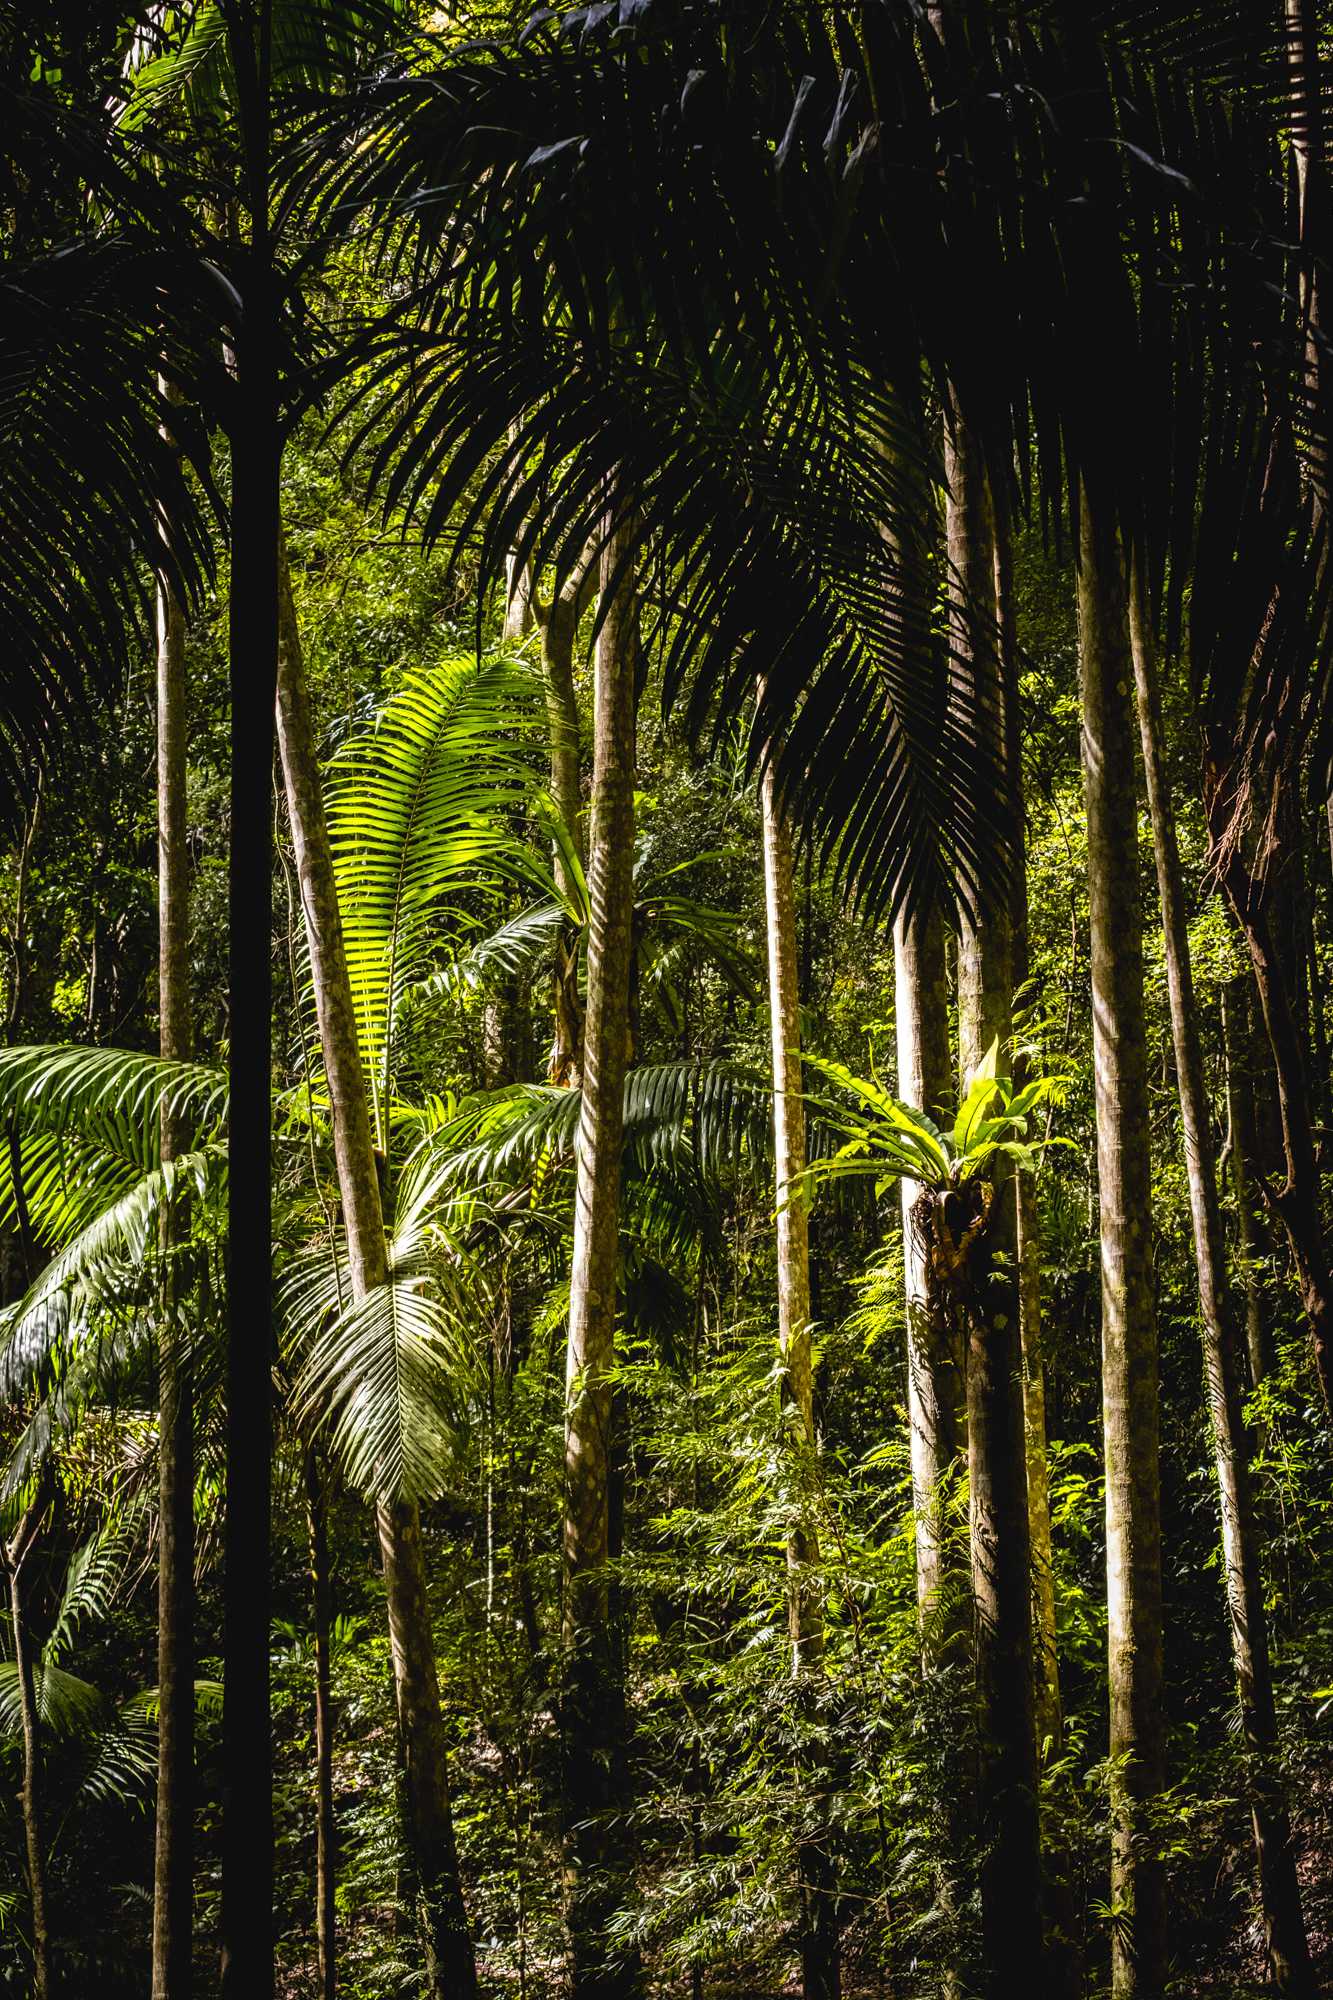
{"type": "Point", "coordinates": [419, 811]}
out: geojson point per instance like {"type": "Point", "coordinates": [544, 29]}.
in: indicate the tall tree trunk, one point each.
{"type": "Point", "coordinates": [558, 623]}
{"type": "Point", "coordinates": [1279, 1890]}
{"type": "Point", "coordinates": [326, 1851]}
{"type": "Point", "coordinates": [936, 1384]}
{"type": "Point", "coordinates": [450, 1959]}
{"type": "Point", "coordinates": [996, 1445]}
{"type": "Point", "coordinates": [593, 1700]}
{"type": "Point", "coordinates": [247, 1787]}
{"type": "Point", "coordinates": [43, 1984]}
{"type": "Point", "coordinates": [1129, 1327]}
{"type": "Point", "coordinates": [1046, 1656]}
{"type": "Point", "coordinates": [805, 1611]}
{"type": "Point", "coordinates": [173, 1871]}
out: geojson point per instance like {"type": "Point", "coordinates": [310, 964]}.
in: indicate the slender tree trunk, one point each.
{"type": "Point", "coordinates": [558, 624]}
{"type": "Point", "coordinates": [805, 1611]}
{"type": "Point", "coordinates": [1046, 1658]}
{"type": "Point", "coordinates": [326, 1851]}
{"type": "Point", "coordinates": [247, 1789]}
{"type": "Point", "coordinates": [936, 1384]}
{"type": "Point", "coordinates": [448, 1939]}
{"type": "Point", "coordinates": [592, 1700]}
{"type": "Point", "coordinates": [559, 627]}
{"type": "Point", "coordinates": [43, 1983]}
{"type": "Point", "coordinates": [805, 1604]}
{"type": "Point", "coordinates": [996, 1445]}
{"type": "Point", "coordinates": [1244, 1150]}
{"type": "Point", "coordinates": [1284, 1925]}
{"type": "Point", "coordinates": [1129, 1329]}
{"type": "Point", "coordinates": [173, 1872]}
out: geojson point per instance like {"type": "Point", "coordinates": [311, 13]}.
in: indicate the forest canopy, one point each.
{"type": "Point", "coordinates": [666, 888]}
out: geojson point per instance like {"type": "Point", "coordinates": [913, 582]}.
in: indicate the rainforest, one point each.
{"type": "Point", "coordinates": [666, 979]}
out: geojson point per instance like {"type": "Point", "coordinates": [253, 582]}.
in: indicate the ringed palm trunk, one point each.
{"type": "Point", "coordinates": [451, 1964]}
{"type": "Point", "coordinates": [247, 1788]}
{"type": "Point", "coordinates": [805, 1611]}
{"type": "Point", "coordinates": [592, 1702]}
{"type": "Point", "coordinates": [936, 1384]}
{"type": "Point", "coordinates": [997, 1453]}
{"type": "Point", "coordinates": [1284, 1925]}
{"type": "Point", "coordinates": [173, 1872]}
{"type": "Point", "coordinates": [1129, 1329]}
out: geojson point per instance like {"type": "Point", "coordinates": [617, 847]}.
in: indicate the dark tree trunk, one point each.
{"type": "Point", "coordinates": [1284, 1924]}
{"type": "Point", "coordinates": [43, 1983]}
{"type": "Point", "coordinates": [1129, 1326]}
{"type": "Point", "coordinates": [326, 1850]}
{"type": "Point", "coordinates": [592, 1701]}
{"type": "Point", "coordinates": [996, 1443]}
{"type": "Point", "coordinates": [173, 1873]}
{"type": "Point", "coordinates": [450, 1957]}
{"type": "Point", "coordinates": [247, 1795]}
{"type": "Point", "coordinates": [1046, 1660]}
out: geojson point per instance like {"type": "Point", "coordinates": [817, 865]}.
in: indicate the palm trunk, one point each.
{"type": "Point", "coordinates": [805, 1610]}
{"type": "Point", "coordinates": [173, 1873]}
{"type": "Point", "coordinates": [997, 1452]}
{"type": "Point", "coordinates": [936, 1385]}
{"type": "Point", "coordinates": [1279, 1890]}
{"type": "Point", "coordinates": [1129, 1329]}
{"type": "Point", "coordinates": [1049, 1721]}
{"type": "Point", "coordinates": [559, 624]}
{"type": "Point", "coordinates": [43, 1985]}
{"type": "Point", "coordinates": [326, 1853]}
{"type": "Point", "coordinates": [593, 1700]}
{"type": "Point", "coordinates": [448, 1939]}
{"type": "Point", "coordinates": [247, 1789]}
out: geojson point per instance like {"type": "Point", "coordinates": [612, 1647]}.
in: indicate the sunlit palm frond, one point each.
{"type": "Point", "coordinates": [66, 1705]}
{"type": "Point", "coordinates": [391, 1374]}
{"type": "Point", "coordinates": [419, 814]}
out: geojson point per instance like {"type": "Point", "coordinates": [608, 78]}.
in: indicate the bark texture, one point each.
{"type": "Point", "coordinates": [1284, 1926]}
{"type": "Point", "coordinates": [451, 1964]}
{"type": "Point", "coordinates": [1129, 1330]}
{"type": "Point", "coordinates": [173, 1868]}
{"type": "Point", "coordinates": [592, 1700]}
{"type": "Point", "coordinates": [805, 1611]}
